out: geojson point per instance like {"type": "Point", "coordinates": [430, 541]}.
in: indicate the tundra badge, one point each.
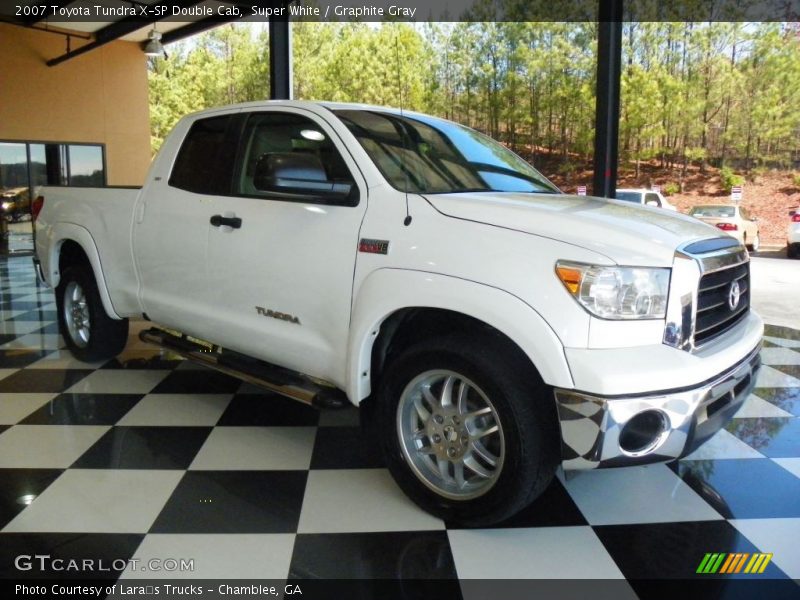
{"type": "Point", "coordinates": [268, 312]}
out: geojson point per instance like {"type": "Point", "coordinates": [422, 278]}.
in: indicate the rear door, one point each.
{"type": "Point", "coordinates": [281, 261]}
{"type": "Point", "coordinates": [171, 225]}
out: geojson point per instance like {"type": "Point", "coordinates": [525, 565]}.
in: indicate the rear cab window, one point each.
{"type": "Point", "coordinates": [204, 163]}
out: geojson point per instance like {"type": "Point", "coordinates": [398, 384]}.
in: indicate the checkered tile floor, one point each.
{"type": "Point", "coordinates": [148, 456]}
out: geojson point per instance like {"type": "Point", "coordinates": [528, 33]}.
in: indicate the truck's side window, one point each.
{"type": "Point", "coordinates": [201, 165]}
{"type": "Point", "coordinates": [652, 200]}
{"type": "Point", "coordinates": [285, 156]}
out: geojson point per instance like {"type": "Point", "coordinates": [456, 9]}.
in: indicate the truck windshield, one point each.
{"type": "Point", "coordinates": [426, 155]}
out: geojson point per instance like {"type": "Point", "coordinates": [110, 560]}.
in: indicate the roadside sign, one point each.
{"type": "Point", "coordinates": [581, 190]}
{"type": "Point", "coordinates": [736, 193]}
{"type": "Point", "coordinates": [656, 188]}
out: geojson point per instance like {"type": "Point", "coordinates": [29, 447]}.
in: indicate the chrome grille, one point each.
{"type": "Point", "coordinates": [714, 314]}
{"type": "Point", "coordinates": [701, 286]}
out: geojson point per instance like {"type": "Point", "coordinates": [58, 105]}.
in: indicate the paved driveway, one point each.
{"type": "Point", "coordinates": [776, 288]}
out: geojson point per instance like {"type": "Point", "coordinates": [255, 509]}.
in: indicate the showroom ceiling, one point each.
{"type": "Point", "coordinates": [129, 28]}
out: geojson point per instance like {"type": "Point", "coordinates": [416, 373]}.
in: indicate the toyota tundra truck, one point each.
{"type": "Point", "coordinates": [490, 327]}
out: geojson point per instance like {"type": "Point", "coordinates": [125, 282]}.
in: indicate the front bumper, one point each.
{"type": "Point", "coordinates": [593, 427]}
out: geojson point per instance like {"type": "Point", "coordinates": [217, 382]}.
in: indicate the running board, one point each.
{"type": "Point", "coordinates": [282, 381]}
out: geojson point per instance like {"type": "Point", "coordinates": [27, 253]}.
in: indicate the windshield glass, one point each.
{"type": "Point", "coordinates": [713, 211]}
{"type": "Point", "coordinates": [630, 197]}
{"type": "Point", "coordinates": [431, 156]}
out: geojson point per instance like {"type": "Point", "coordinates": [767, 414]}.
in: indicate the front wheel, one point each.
{"type": "Point", "coordinates": [469, 431]}
{"type": "Point", "coordinates": [89, 333]}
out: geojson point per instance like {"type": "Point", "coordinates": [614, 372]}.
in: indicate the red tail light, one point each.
{"type": "Point", "coordinates": [796, 217]}
{"type": "Point", "coordinates": [727, 226]}
{"type": "Point", "coordinates": [36, 207]}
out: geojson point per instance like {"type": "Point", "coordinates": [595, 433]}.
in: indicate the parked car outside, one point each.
{"type": "Point", "coordinates": [793, 234]}
{"type": "Point", "coordinates": [644, 197]}
{"type": "Point", "coordinates": [733, 220]}
{"type": "Point", "coordinates": [15, 203]}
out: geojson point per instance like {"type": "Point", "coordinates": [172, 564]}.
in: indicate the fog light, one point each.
{"type": "Point", "coordinates": [643, 433]}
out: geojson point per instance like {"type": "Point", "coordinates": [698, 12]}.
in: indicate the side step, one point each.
{"type": "Point", "coordinates": [282, 381]}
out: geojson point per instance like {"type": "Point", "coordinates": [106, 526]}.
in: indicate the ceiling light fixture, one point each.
{"type": "Point", "coordinates": [154, 47]}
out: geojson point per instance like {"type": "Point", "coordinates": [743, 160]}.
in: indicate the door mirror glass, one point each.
{"type": "Point", "coordinates": [296, 173]}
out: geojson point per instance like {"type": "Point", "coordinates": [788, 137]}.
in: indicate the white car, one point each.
{"type": "Point", "coordinates": [644, 197]}
{"type": "Point", "coordinates": [489, 326]}
{"type": "Point", "coordinates": [793, 234]}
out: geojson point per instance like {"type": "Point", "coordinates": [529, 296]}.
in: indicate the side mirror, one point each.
{"type": "Point", "coordinates": [298, 174]}
{"type": "Point", "coordinates": [754, 219]}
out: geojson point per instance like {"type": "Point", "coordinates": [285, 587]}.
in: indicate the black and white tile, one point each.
{"type": "Point", "coordinates": [147, 456]}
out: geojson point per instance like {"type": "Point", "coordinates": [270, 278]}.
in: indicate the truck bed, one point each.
{"type": "Point", "coordinates": [104, 214]}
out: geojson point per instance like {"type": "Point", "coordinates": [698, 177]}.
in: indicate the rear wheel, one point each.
{"type": "Point", "coordinates": [89, 333]}
{"type": "Point", "coordinates": [793, 250]}
{"type": "Point", "coordinates": [469, 431]}
{"type": "Point", "coordinates": [754, 244]}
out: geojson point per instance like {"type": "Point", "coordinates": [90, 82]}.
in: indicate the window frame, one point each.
{"type": "Point", "coordinates": [241, 148]}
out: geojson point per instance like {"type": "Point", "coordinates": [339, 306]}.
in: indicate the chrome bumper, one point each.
{"type": "Point", "coordinates": [594, 433]}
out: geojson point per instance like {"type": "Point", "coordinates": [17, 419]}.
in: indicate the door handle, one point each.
{"type": "Point", "coordinates": [218, 220]}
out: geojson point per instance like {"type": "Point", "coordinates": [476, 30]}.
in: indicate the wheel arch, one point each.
{"type": "Point", "coordinates": [70, 245]}
{"type": "Point", "coordinates": [396, 308]}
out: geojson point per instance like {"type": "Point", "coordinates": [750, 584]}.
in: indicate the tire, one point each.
{"type": "Point", "coordinates": [503, 468]}
{"type": "Point", "coordinates": [793, 250]}
{"type": "Point", "coordinates": [754, 245]}
{"type": "Point", "coordinates": [89, 333]}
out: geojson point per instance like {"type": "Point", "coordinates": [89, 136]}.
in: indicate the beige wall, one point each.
{"type": "Point", "coordinates": [100, 97]}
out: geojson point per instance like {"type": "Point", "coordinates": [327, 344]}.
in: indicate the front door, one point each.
{"type": "Point", "coordinates": [282, 256]}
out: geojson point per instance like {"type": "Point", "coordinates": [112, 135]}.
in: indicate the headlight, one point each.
{"type": "Point", "coordinates": [7, 205]}
{"type": "Point", "coordinates": [617, 292]}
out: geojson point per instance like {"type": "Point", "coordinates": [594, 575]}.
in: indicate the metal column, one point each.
{"type": "Point", "coordinates": [609, 59]}
{"type": "Point", "coordinates": [280, 59]}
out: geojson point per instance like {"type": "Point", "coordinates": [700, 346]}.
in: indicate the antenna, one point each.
{"type": "Point", "coordinates": [407, 220]}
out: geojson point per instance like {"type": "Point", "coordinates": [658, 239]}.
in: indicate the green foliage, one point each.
{"type": "Point", "coordinates": [694, 154]}
{"type": "Point", "coordinates": [729, 179]}
{"type": "Point", "coordinates": [700, 91]}
{"type": "Point", "coordinates": [671, 189]}
{"type": "Point", "coordinates": [796, 179]}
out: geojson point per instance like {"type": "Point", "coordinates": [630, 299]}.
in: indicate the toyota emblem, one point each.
{"type": "Point", "coordinates": [734, 295]}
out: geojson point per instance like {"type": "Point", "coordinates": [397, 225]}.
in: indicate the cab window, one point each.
{"type": "Point", "coordinates": [284, 156]}
{"type": "Point", "coordinates": [204, 163]}
{"type": "Point", "coordinates": [652, 199]}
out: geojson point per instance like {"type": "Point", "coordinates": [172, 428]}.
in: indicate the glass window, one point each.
{"type": "Point", "coordinates": [86, 166]}
{"type": "Point", "coordinates": [289, 157]}
{"type": "Point", "coordinates": [428, 155]}
{"type": "Point", "coordinates": [634, 197]}
{"type": "Point", "coordinates": [199, 166]}
{"type": "Point", "coordinates": [652, 199]}
{"type": "Point", "coordinates": [13, 167]}
{"type": "Point", "coordinates": [14, 191]}
{"type": "Point", "coordinates": [713, 211]}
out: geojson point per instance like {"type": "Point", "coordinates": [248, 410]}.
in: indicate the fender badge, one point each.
{"type": "Point", "coordinates": [369, 246]}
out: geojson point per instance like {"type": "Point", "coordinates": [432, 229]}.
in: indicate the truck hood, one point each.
{"type": "Point", "coordinates": [623, 232]}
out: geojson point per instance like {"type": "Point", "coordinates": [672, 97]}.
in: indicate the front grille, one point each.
{"type": "Point", "coordinates": [714, 314]}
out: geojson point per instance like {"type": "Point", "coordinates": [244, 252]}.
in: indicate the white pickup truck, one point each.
{"type": "Point", "coordinates": [490, 327]}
